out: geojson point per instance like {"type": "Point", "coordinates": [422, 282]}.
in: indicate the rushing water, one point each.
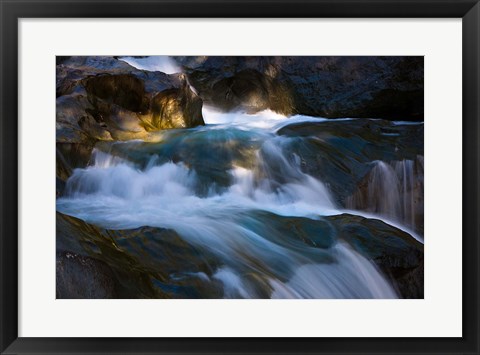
{"type": "Point", "coordinates": [392, 190]}
{"type": "Point", "coordinates": [213, 186]}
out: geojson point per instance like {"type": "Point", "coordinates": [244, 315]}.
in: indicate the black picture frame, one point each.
{"type": "Point", "coordinates": [12, 10]}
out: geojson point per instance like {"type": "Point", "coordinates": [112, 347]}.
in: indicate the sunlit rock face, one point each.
{"type": "Point", "coordinates": [332, 87]}
{"type": "Point", "coordinates": [102, 98]}
{"type": "Point", "coordinates": [174, 108]}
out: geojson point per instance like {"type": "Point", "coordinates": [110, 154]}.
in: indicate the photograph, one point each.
{"type": "Point", "coordinates": [239, 177]}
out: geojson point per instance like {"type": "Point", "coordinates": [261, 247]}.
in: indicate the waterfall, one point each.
{"type": "Point", "coordinates": [393, 190]}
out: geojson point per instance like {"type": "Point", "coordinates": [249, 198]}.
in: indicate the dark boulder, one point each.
{"type": "Point", "coordinates": [80, 276]}
{"type": "Point", "coordinates": [249, 91]}
{"type": "Point", "coordinates": [124, 90]}
{"type": "Point", "coordinates": [104, 98]}
{"type": "Point", "coordinates": [331, 87]}
{"type": "Point", "coordinates": [74, 122]}
{"type": "Point", "coordinates": [144, 262]}
{"type": "Point", "coordinates": [68, 157]}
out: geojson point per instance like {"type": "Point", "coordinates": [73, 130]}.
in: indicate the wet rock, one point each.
{"type": "Point", "coordinates": [332, 87]}
{"type": "Point", "coordinates": [68, 157]}
{"type": "Point", "coordinates": [80, 276]}
{"type": "Point", "coordinates": [410, 281]}
{"type": "Point", "coordinates": [145, 262]}
{"type": "Point", "coordinates": [177, 269]}
{"type": "Point", "coordinates": [395, 252]}
{"type": "Point", "coordinates": [59, 187]}
{"type": "Point", "coordinates": [291, 231]}
{"type": "Point", "coordinates": [71, 156]}
{"type": "Point", "coordinates": [64, 169]}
